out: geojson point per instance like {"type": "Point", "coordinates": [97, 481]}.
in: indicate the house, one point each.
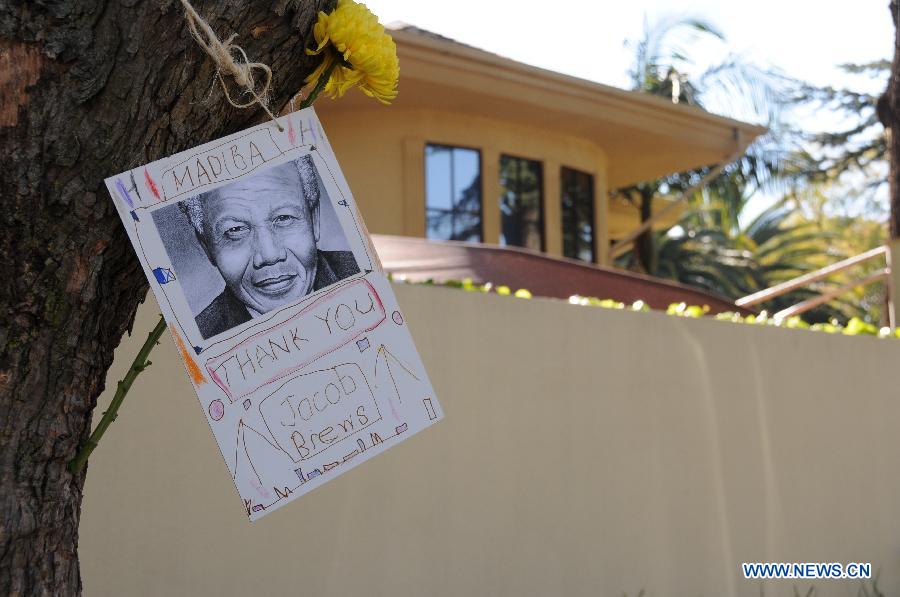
{"type": "Point", "coordinates": [482, 149]}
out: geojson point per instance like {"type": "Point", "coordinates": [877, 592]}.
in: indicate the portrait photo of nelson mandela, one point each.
{"type": "Point", "coordinates": [262, 234]}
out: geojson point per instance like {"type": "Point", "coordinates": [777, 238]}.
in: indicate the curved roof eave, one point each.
{"type": "Point", "coordinates": [644, 136]}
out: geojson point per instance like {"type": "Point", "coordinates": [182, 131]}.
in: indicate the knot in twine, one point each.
{"type": "Point", "coordinates": [223, 54]}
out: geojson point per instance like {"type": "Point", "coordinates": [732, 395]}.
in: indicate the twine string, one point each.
{"type": "Point", "coordinates": [223, 54]}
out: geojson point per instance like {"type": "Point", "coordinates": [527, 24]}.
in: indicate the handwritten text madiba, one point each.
{"type": "Point", "coordinates": [218, 164]}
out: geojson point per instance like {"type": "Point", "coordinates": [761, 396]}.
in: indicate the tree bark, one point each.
{"type": "Point", "coordinates": [90, 88]}
{"type": "Point", "coordinates": [644, 244]}
{"type": "Point", "coordinates": [889, 115]}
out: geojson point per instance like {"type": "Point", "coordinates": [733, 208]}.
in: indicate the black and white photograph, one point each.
{"type": "Point", "coordinates": [254, 245]}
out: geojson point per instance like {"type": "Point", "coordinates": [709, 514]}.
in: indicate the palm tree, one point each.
{"type": "Point", "coordinates": [662, 60]}
{"type": "Point", "coordinates": [710, 248]}
{"type": "Point", "coordinates": [779, 244]}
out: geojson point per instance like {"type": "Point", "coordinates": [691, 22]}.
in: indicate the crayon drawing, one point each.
{"type": "Point", "coordinates": [301, 359]}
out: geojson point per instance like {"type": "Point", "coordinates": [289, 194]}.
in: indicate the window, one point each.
{"type": "Point", "coordinates": [521, 204]}
{"type": "Point", "coordinates": [452, 193]}
{"type": "Point", "coordinates": [577, 193]}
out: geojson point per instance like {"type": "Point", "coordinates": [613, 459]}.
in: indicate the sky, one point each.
{"type": "Point", "coordinates": [803, 39]}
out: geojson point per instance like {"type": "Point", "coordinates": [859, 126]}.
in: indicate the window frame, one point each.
{"type": "Point", "coordinates": [542, 199]}
{"type": "Point", "coordinates": [593, 211]}
{"type": "Point", "coordinates": [480, 211]}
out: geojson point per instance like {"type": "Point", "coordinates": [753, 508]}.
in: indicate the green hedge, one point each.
{"type": "Point", "coordinates": [854, 327]}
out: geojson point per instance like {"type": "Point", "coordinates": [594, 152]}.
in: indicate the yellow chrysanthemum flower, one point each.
{"type": "Point", "coordinates": [356, 52]}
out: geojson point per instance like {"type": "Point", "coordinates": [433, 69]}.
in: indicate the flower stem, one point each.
{"type": "Point", "coordinates": [140, 363]}
{"type": "Point", "coordinates": [320, 85]}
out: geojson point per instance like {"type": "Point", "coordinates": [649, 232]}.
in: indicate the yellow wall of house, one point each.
{"type": "Point", "coordinates": [385, 166]}
{"type": "Point", "coordinates": [584, 452]}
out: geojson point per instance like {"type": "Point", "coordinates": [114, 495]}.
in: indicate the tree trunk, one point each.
{"type": "Point", "coordinates": [889, 115]}
{"type": "Point", "coordinates": [888, 110]}
{"type": "Point", "coordinates": [644, 244]}
{"type": "Point", "coordinates": [89, 88]}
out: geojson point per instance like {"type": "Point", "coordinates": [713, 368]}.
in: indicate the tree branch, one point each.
{"type": "Point", "coordinates": [139, 364]}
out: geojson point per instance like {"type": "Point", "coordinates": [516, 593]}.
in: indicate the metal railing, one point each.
{"type": "Point", "coordinates": [820, 274]}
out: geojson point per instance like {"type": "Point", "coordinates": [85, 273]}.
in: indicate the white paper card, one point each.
{"type": "Point", "coordinates": [296, 347]}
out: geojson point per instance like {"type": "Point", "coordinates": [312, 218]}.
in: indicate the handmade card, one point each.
{"type": "Point", "coordinates": [289, 330]}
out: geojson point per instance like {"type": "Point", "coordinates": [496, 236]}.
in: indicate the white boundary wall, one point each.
{"type": "Point", "coordinates": [584, 452]}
